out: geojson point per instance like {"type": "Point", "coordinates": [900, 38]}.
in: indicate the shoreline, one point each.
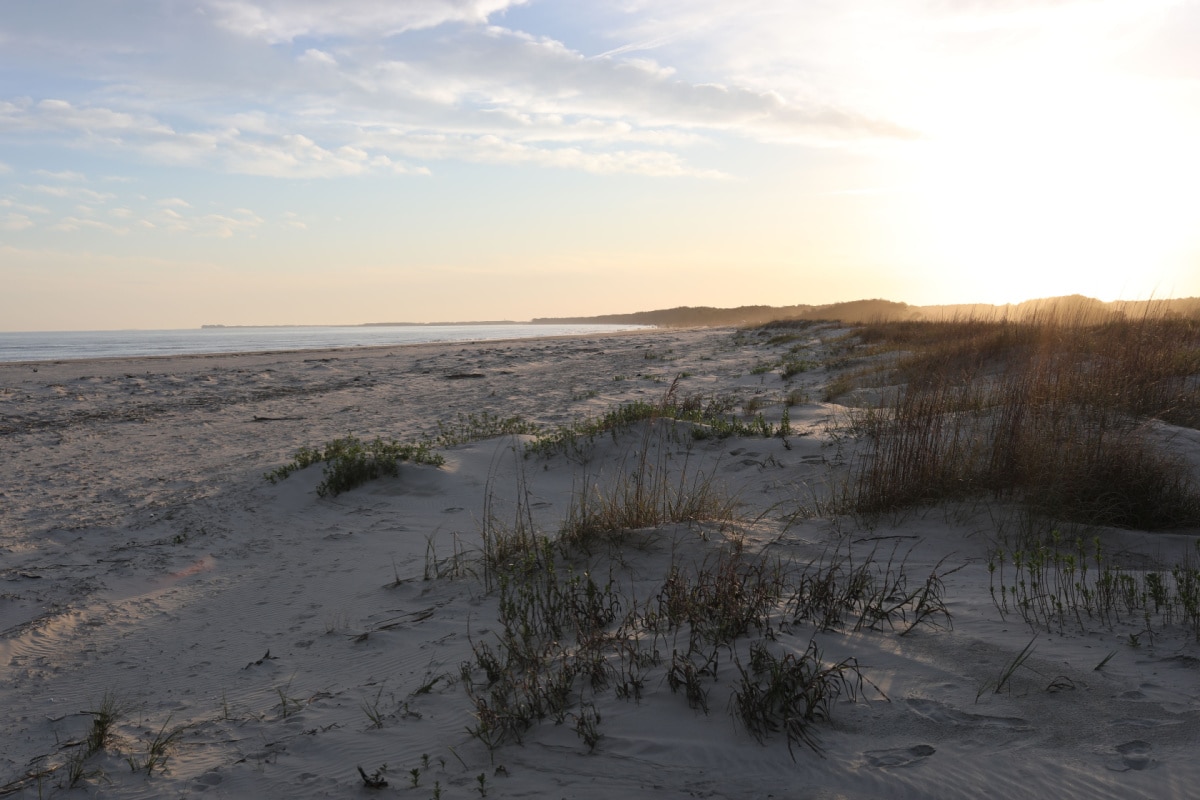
{"type": "Point", "coordinates": [338, 349]}
{"type": "Point", "coordinates": [168, 344]}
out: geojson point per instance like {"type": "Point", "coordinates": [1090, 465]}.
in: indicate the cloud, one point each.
{"type": "Point", "coordinates": [221, 226]}
{"type": "Point", "coordinates": [72, 224]}
{"type": "Point", "coordinates": [315, 56]}
{"type": "Point", "coordinates": [172, 215]}
{"type": "Point", "coordinates": [493, 149]}
{"type": "Point", "coordinates": [71, 192]}
{"type": "Point", "coordinates": [63, 175]}
{"type": "Point", "coordinates": [6, 202]}
{"type": "Point", "coordinates": [260, 151]}
{"type": "Point", "coordinates": [310, 89]}
{"type": "Point", "coordinates": [15, 222]}
{"type": "Point", "coordinates": [493, 79]}
{"type": "Point", "coordinates": [278, 21]}
{"type": "Point", "coordinates": [54, 113]}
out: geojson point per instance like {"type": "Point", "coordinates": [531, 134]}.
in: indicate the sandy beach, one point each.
{"type": "Point", "coordinates": [284, 640]}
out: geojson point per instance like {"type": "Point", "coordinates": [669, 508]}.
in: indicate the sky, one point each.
{"type": "Point", "coordinates": [172, 163]}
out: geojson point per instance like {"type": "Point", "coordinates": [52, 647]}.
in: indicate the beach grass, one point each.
{"type": "Point", "coordinates": [1056, 413]}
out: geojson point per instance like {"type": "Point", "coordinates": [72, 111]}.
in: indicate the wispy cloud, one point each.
{"type": "Point", "coordinates": [221, 226]}
{"type": "Point", "coordinates": [15, 222]}
{"type": "Point", "coordinates": [74, 192]}
{"type": "Point", "coordinates": [285, 20]}
{"type": "Point", "coordinates": [315, 56]}
{"type": "Point", "coordinates": [7, 202]}
{"type": "Point", "coordinates": [71, 224]}
{"type": "Point", "coordinates": [62, 175]}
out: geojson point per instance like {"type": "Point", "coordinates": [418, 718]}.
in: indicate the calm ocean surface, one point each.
{"type": "Point", "coordinates": [58, 345]}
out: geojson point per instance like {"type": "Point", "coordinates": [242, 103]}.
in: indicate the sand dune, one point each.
{"type": "Point", "coordinates": [291, 639]}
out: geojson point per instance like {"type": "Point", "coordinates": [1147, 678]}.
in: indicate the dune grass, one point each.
{"type": "Point", "coordinates": [652, 491]}
{"type": "Point", "coordinates": [737, 622]}
{"type": "Point", "coordinates": [1050, 412]}
{"type": "Point", "coordinates": [578, 618]}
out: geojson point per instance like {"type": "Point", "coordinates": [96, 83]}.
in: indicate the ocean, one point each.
{"type": "Point", "coordinates": [63, 345]}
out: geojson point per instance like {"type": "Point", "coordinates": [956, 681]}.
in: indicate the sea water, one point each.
{"type": "Point", "coordinates": [62, 345]}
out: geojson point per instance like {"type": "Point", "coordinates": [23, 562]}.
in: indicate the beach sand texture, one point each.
{"type": "Point", "coordinates": [291, 639]}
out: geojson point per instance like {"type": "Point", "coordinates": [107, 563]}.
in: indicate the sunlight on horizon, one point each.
{"type": "Point", "coordinates": [1043, 170]}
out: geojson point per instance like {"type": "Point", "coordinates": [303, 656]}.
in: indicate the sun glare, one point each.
{"type": "Point", "coordinates": [1041, 187]}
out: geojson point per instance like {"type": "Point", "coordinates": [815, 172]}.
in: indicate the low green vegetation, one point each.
{"type": "Point", "coordinates": [350, 462]}
{"type": "Point", "coordinates": [474, 427]}
{"type": "Point", "coordinates": [708, 418]}
{"type": "Point", "coordinates": [799, 357]}
{"type": "Point", "coordinates": [1066, 582]}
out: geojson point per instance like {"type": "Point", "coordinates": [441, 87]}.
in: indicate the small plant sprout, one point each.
{"type": "Point", "coordinates": [160, 747]}
{"type": "Point", "coordinates": [1009, 670]}
{"type": "Point", "coordinates": [371, 709]}
{"type": "Point", "coordinates": [587, 726]}
{"type": "Point", "coordinates": [104, 721]}
{"type": "Point", "coordinates": [375, 780]}
{"type": "Point", "coordinates": [288, 705]}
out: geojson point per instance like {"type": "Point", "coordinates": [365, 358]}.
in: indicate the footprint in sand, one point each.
{"type": "Point", "coordinates": [900, 756]}
{"type": "Point", "coordinates": [207, 781]}
{"type": "Point", "coordinates": [1134, 755]}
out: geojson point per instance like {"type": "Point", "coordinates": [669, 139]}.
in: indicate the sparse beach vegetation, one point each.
{"type": "Point", "coordinates": [351, 462]}
{"type": "Point", "coordinates": [1064, 582]}
{"type": "Point", "coordinates": [572, 627]}
{"type": "Point", "coordinates": [1056, 413]}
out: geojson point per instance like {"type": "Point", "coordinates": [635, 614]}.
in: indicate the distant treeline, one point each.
{"type": "Point", "coordinates": [1073, 307]}
{"type": "Point", "coordinates": [706, 316]}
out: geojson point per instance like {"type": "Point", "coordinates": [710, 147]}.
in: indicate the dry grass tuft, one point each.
{"type": "Point", "coordinates": [1049, 412]}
